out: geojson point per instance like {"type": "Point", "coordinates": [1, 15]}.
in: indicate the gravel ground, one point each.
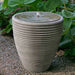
{"type": "Point", "coordinates": [10, 63]}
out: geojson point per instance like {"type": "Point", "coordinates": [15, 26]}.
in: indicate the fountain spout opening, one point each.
{"type": "Point", "coordinates": [38, 14]}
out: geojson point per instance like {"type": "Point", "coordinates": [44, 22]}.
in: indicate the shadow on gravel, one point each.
{"type": "Point", "coordinates": [60, 64]}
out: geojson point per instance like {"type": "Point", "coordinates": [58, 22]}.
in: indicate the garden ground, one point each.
{"type": "Point", "coordinates": [10, 63]}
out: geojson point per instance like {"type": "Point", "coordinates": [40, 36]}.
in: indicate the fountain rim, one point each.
{"type": "Point", "coordinates": [37, 23]}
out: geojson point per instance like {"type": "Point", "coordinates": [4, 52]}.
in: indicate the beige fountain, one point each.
{"type": "Point", "coordinates": [37, 36]}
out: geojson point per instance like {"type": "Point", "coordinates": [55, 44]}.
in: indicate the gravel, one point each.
{"type": "Point", "coordinates": [10, 63]}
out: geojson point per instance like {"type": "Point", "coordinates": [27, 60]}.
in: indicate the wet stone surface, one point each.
{"type": "Point", "coordinates": [10, 63]}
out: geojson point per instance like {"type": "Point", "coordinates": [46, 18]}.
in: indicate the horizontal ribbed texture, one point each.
{"type": "Point", "coordinates": [36, 44]}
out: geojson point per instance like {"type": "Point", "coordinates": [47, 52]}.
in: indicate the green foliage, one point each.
{"type": "Point", "coordinates": [14, 3]}
{"type": "Point", "coordinates": [1, 8]}
{"type": "Point", "coordinates": [8, 9]}
{"type": "Point", "coordinates": [66, 25]}
{"type": "Point", "coordinates": [7, 29]}
{"type": "Point", "coordinates": [66, 42]}
{"type": "Point", "coordinates": [61, 7]}
{"type": "Point", "coordinates": [71, 6]}
{"type": "Point", "coordinates": [66, 1]}
{"type": "Point", "coordinates": [68, 14]}
{"type": "Point", "coordinates": [5, 3]}
{"type": "Point", "coordinates": [68, 37]}
{"type": "Point", "coordinates": [52, 4]}
{"type": "Point", "coordinates": [67, 10]}
{"type": "Point", "coordinates": [37, 6]}
{"type": "Point", "coordinates": [70, 52]}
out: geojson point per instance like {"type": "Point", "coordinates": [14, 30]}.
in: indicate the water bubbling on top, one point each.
{"type": "Point", "coordinates": [37, 17]}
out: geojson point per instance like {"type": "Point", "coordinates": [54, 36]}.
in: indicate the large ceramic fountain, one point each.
{"type": "Point", "coordinates": [37, 36]}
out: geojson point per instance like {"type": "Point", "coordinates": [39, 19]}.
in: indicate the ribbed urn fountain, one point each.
{"type": "Point", "coordinates": [37, 36]}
